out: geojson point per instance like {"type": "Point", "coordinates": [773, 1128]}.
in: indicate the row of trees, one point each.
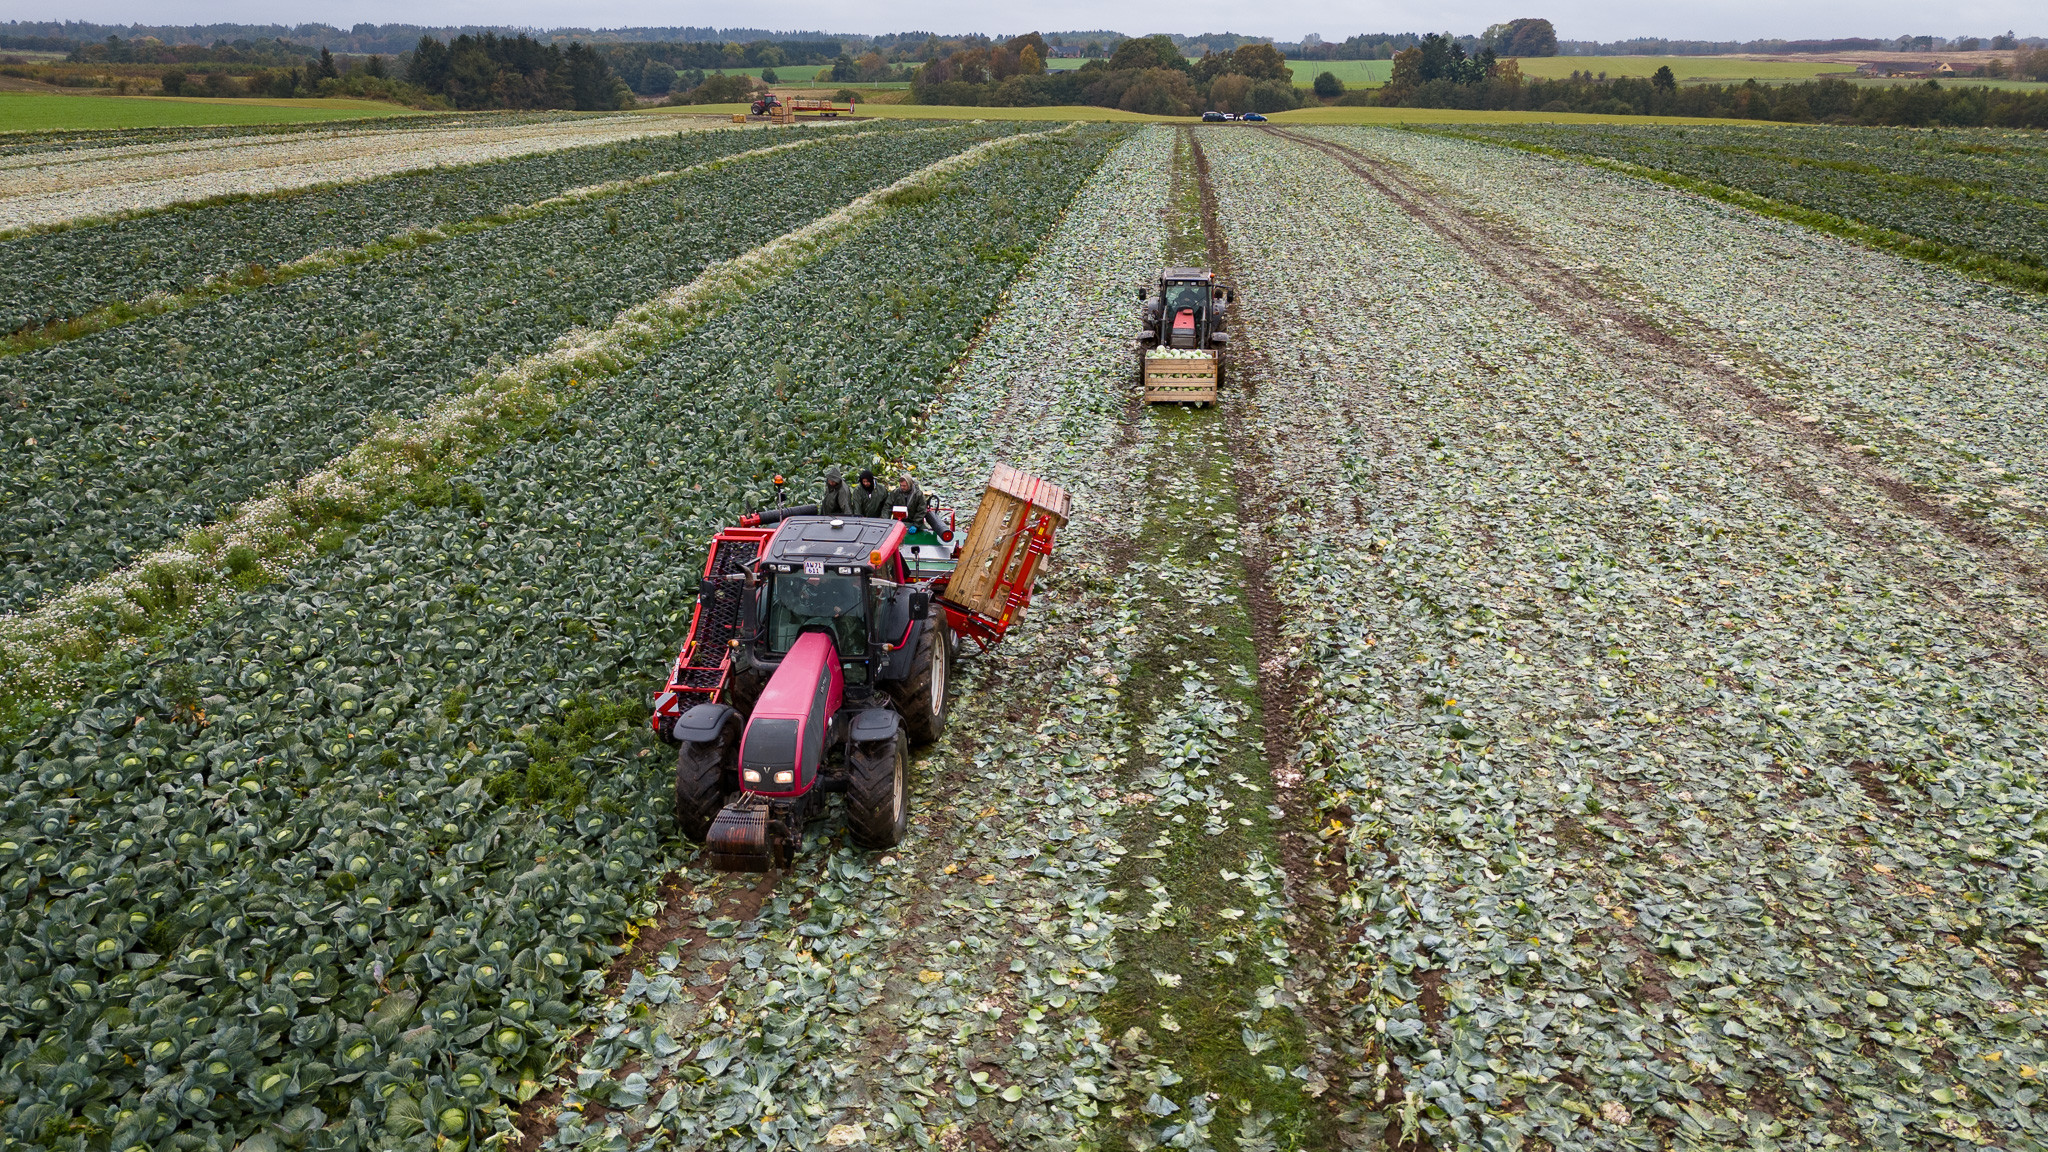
{"type": "Point", "coordinates": [469, 72]}
{"type": "Point", "coordinates": [2025, 65]}
{"type": "Point", "coordinates": [370, 79]}
{"type": "Point", "coordinates": [1145, 74]}
{"type": "Point", "coordinates": [1658, 46]}
{"type": "Point", "coordinates": [491, 71]}
{"type": "Point", "coordinates": [1501, 87]}
{"type": "Point", "coordinates": [149, 50]}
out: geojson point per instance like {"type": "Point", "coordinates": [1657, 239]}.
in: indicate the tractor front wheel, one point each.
{"type": "Point", "coordinates": [878, 791]}
{"type": "Point", "coordinates": [923, 695]}
{"type": "Point", "coordinates": [705, 776]}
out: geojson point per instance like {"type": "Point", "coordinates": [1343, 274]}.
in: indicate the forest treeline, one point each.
{"type": "Point", "coordinates": [1439, 74]}
{"type": "Point", "coordinates": [1146, 75]}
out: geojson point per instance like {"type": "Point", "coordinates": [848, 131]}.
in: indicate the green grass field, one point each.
{"type": "Point", "coordinates": [32, 112]}
{"type": "Point", "coordinates": [1688, 69]}
{"type": "Point", "coordinates": [1354, 73]}
{"type": "Point", "coordinates": [1958, 82]}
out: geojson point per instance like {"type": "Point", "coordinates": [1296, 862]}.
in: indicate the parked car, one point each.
{"type": "Point", "coordinates": [1213, 117]}
{"type": "Point", "coordinates": [1254, 116]}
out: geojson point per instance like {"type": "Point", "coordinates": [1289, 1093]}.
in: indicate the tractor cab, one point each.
{"type": "Point", "coordinates": [1191, 304]}
{"type": "Point", "coordinates": [843, 576]}
{"type": "Point", "coordinates": [1180, 351]}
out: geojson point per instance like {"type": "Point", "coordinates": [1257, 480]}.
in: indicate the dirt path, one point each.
{"type": "Point", "coordinates": [1216, 978]}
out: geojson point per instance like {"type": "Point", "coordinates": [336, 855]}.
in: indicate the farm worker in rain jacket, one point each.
{"type": "Point", "coordinates": [838, 498]}
{"type": "Point", "coordinates": [869, 498]}
{"type": "Point", "coordinates": [921, 512]}
{"type": "Point", "coordinates": [909, 497]}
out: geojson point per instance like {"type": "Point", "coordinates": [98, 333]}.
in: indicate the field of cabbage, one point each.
{"type": "Point", "coordinates": [1677, 720]}
{"type": "Point", "coordinates": [57, 275]}
{"type": "Point", "coordinates": [1979, 193]}
{"type": "Point", "coordinates": [125, 439]}
{"type": "Point", "coordinates": [1572, 693]}
{"type": "Point", "coordinates": [324, 865]}
{"type": "Point", "coordinates": [99, 176]}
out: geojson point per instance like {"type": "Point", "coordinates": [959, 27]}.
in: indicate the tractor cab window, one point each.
{"type": "Point", "coordinates": [836, 602]}
{"type": "Point", "coordinates": [1179, 296]}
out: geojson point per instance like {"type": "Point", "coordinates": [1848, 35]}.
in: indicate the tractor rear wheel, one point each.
{"type": "Point", "coordinates": [922, 697]}
{"type": "Point", "coordinates": [878, 791]}
{"type": "Point", "coordinates": [705, 776]}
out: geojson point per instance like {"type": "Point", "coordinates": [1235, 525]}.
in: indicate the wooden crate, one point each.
{"type": "Point", "coordinates": [739, 117]}
{"type": "Point", "coordinates": [993, 556]}
{"type": "Point", "coordinates": [1177, 381]}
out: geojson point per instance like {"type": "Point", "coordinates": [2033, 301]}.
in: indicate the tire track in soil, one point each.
{"type": "Point", "coordinates": [1308, 869]}
{"type": "Point", "coordinates": [1628, 337]}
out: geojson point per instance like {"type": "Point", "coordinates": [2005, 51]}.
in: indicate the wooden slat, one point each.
{"type": "Point", "coordinates": [1006, 505]}
{"type": "Point", "coordinates": [1180, 381]}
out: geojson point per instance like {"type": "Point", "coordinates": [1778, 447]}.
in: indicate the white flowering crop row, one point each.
{"type": "Point", "coordinates": [1935, 379]}
{"type": "Point", "coordinates": [1981, 190]}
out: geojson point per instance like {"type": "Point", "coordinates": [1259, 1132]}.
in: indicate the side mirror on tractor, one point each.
{"type": "Point", "coordinates": [920, 604]}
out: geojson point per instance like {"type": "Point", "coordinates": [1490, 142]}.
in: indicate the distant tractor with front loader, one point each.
{"type": "Point", "coordinates": [1180, 352]}
{"type": "Point", "coordinates": [821, 651]}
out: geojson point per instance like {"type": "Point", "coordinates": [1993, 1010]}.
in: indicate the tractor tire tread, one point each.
{"type": "Point", "coordinates": [875, 816]}
{"type": "Point", "coordinates": [924, 723]}
{"type": "Point", "coordinates": [704, 779]}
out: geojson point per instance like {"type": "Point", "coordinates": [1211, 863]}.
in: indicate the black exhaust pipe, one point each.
{"type": "Point", "coordinates": [771, 515]}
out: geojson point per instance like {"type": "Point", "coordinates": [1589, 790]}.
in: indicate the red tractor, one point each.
{"type": "Point", "coordinates": [820, 652]}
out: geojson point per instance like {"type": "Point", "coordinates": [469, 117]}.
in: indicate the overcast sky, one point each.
{"type": "Point", "coordinates": [1575, 19]}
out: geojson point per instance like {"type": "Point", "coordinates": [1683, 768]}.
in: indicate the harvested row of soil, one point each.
{"type": "Point", "coordinates": [1726, 403]}
{"type": "Point", "coordinates": [1213, 996]}
{"type": "Point", "coordinates": [1670, 808]}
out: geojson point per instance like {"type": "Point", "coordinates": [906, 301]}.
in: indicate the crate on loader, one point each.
{"type": "Point", "coordinates": [1180, 353]}
{"type": "Point", "coordinates": [992, 571]}
{"type": "Point", "coordinates": [788, 110]}
{"type": "Point", "coordinates": [1182, 378]}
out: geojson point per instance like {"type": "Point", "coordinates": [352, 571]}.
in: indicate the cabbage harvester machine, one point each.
{"type": "Point", "coordinates": [820, 652]}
